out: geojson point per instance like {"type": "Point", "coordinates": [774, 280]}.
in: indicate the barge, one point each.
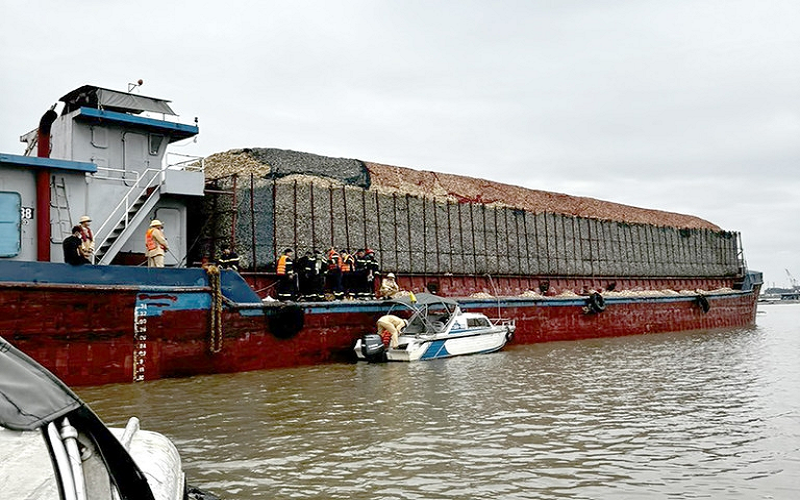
{"type": "Point", "coordinates": [540, 258]}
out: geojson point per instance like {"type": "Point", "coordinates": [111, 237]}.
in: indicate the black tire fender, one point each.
{"type": "Point", "coordinates": [287, 321]}
{"type": "Point", "coordinates": [702, 301]}
{"type": "Point", "coordinates": [596, 303]}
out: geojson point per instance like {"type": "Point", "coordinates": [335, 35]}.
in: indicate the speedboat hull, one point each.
{"type": "Point", "coordinates": [435, 328]}
{"type": "Point", "coordinates": [421, 347]}
{"type": "Point", "coordinates": [455, 344]}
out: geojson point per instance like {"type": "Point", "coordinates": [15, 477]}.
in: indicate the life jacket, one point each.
{"type": "Point", "coordinates": [284, 264]}
{"type": "Point", "coordinates": [149, 242]}
{"type": "Point", "coordinates": [87, 240]}
{"type": "Point", "coordinates": [347, 263]}
{"type": "Point", "coordinates": [333, 260]}
{"type": "Point", "coordinates": [86, 234]}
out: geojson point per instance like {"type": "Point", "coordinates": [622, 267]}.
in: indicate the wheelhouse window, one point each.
{"type": "Point", "coordinates": [155, 143]}
{"type": "Point", "coordinates": [99, 137]}
{"type": "Point", "coordinates": [10, 224]}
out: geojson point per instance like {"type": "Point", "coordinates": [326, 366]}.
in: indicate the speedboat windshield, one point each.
{"type": "Point", "coordinates": [429, 313]}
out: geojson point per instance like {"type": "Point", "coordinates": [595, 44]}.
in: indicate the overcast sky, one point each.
{"type": "Point", "coordinates": [688, 106]}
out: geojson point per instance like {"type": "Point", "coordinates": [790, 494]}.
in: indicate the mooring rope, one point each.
{"type": "Point", "coordinates": [215, 331]}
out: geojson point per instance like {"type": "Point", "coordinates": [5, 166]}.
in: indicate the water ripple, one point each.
{"type": "Point", "coordinates": [689, 415]}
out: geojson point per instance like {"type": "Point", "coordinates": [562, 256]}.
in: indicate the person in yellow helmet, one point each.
{"type": "Point", "coordinates": [389, 287]}
{"type": "Point", "coordinates": [156, 244]}
{"type": "Point", "coordinates": [87, 237]}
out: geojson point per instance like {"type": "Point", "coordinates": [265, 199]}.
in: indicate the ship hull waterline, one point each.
{"type": "Point", "coordinates": [92, 334]}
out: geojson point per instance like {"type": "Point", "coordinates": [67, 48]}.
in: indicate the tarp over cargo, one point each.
{"type": "Point", "coordinates": [422, 222]}
{"type": "Point", "coordinates": [277, 163]}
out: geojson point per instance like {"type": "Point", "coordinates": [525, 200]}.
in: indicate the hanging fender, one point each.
{"type": "Point", "coordinates": [596, 303]}
{"type": "Point", "coordinates": [287, 321]}
{"type": "Point", "coordinates": [702, 301]}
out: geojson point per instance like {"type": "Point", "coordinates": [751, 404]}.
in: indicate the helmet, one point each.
{"type": "Point", "coordinates": [85, 218]}
{"type": "Point", "coordinates": [390, 275]}
{"type": "Point", "coordinates": [156, 223]}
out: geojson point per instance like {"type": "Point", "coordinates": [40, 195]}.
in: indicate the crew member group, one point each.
{"type": "Point", "coordinates": [337, 274]}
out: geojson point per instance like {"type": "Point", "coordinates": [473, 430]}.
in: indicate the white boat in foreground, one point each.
{"type": "Point", "coordinates": [437, 328]}
{"type": "Point", "coordinates": [53, 446]}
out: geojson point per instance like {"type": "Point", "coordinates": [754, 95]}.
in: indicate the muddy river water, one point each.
{"type": "Point", "coordinates": [689, 415]}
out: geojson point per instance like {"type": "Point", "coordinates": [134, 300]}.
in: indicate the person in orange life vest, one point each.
{"type": "Point", "coordinates": [287, 280]}
{"type": "Point", "coordinates": [87, 238]}
{"type": "Point", "coordinates": [348, 267]}
{"type": "Point", "coordinates": [156, 244]}
{"type": "Point", "coordinates": [392, 325]}
{"type": "Point", "coordinates": [334, 277]}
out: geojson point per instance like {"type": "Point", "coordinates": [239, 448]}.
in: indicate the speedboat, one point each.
{"type": "Point", "coordinates": [437, 328]}
{"type": "Point", "coordinates": [53, 446]}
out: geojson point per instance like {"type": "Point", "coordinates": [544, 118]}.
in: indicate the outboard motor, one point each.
{"type": "Point", "coordinates": [372, 348]}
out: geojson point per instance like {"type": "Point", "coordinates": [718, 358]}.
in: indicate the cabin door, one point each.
{"type": "Point", "coordinates": [135, 153]}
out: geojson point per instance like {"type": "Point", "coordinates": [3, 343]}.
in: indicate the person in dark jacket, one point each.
{"type": "Point", "coordinates": [320, 269]}
{"type": "Point", "coordinates": [373, 270]}
{"type": "Point", "coordinates": [229, 259]}
{"type": "Point", "coordinates": [72, 248]}
{"type": "Point", "coordinates": [305, 275]}
{"type": "Point", "coordinates": [359, 276]}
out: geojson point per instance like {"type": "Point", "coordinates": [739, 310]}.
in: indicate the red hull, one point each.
{"type": "Point", "coordinates": [92, 335]}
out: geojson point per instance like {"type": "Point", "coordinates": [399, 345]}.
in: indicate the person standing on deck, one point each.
{"type": "Point", "coordinates": [347, 266]}
{"type": "Point", "coordinates": [373, 269]}
{"type": "Point", "coordinates": [287, 280]}
{"type": "Point", "coordinates": [318, 281]}
{"type": "Point", "coordinates": [305, 276]}
{"type": "Point", "coordinates": [156, 244]}
{"type": "Point", "coordinates": [360, 272]}
{"type": "Point", "coordinates": [72, 248]}
{"type": "Point", "coordinates": [334, 260]}
{"type": "Point", "coordinates": [87, 238]}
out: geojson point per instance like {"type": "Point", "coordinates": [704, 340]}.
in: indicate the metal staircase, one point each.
{"type": "Point", "coordinates": [129, 213]}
